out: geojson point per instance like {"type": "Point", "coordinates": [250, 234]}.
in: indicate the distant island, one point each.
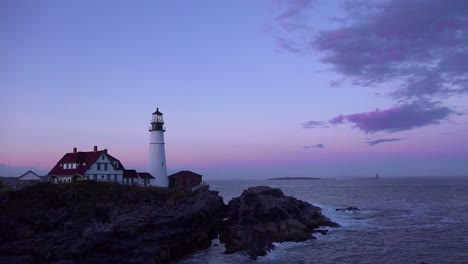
{"type": "Point", "coordinates": [293, 178]}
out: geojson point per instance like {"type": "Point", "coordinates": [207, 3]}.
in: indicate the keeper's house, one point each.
{"type": "Point", "coordinates": [97, 165]}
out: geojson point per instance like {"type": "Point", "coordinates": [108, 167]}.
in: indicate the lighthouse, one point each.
{"type": "Point", "coordinates": [157, 154]}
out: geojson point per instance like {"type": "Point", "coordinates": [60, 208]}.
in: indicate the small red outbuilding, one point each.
{"type": "Point", "coordinates": [185, 180]}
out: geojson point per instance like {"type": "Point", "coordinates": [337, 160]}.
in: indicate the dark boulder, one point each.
{"type": "Point", "coordinates": [349, 209]}
{"type": "Point", "coordinates": [263, 215]}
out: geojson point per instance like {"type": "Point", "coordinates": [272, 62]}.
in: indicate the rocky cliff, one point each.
{"type": "Point", "coordinates": [92, 222]}
{"type": "Point", "coordinates": [99, 222]}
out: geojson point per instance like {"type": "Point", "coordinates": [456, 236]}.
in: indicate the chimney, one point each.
{"type": "Point", "coordinates": [105, 151]}
{"type": "Point", "coordinates": [74, 150]}
{"type": "Point", "coordinates": [95, 148]}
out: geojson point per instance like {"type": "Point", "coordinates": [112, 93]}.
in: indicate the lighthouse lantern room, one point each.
{"type": "Point", "coordinates": [157, 154]}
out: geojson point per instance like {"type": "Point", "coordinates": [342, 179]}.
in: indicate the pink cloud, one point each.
{"type": "Point", "coordinates": [398, 118]}
{"type": "Point", "coordinates": [382, 140]}
{"type": "Point", "coordinates": [337, 120]}
{"type": "Point", "coordinates": [294, 8]}
{"type": "Point", "coordinates": [288, 45]}
{"type": "Point", "coordinates": [314, 124]}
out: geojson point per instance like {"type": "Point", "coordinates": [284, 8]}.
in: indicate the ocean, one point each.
{"type": "Point", "coordinates": [402, 220]}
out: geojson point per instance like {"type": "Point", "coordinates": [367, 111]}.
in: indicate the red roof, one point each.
{"type": "Point", "coordinates": [84, 160]}
{"type": "Point", "coordinates": [145, 175]}
{"type": "Point", "coordinates": [184, 174]}
{"type": "Point", "coordinates": [130, 174]}
{"type": "Point", "coordinates": [134, 174]}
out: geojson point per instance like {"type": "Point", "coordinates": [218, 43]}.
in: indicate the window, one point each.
{"type": "Point", "coordinates": [99, 166]}
{"type": "Point", "coordinates": [103, 157]}
{"type": "Point", "coordinates": [162, 164]}
{"type": "Point", "coordinates": [94, 177]}
{"type": "Point", "coordinates": [108, 177]}
{"type": "Point", "coordinates": [115, 178]}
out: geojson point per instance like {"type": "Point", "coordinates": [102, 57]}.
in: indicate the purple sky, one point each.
{"type": "Point", "coordinates": [249, 89]}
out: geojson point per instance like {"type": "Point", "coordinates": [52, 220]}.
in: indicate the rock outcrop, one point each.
{"type": "Point", "coordinates": [350, 209]}
{"type": "Point", "coordinates": [263, 215]}
{"type": "Point", "coordinates": [92, 222]}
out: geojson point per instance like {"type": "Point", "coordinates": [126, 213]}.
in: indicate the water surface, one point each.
{"type": "Point", "coordinates": [402, 220]}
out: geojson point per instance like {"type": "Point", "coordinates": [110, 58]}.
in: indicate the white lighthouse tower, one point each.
{"type": "Point", "coordinates": [157, 154]}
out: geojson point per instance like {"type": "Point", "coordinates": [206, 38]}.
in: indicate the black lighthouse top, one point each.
{"type": "Point", "coordinates": [157, 121]}
{"type": "Point", "coordinates": [157, 112]}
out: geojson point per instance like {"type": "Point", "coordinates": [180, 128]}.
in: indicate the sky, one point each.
{"type": "Point", "coordinates": [249, 89]}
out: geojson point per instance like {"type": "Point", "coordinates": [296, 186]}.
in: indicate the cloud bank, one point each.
{"type": "Point", "coordinates": [383, 140]}
{"type": "Point", "coordinates": [314, 124]}
{"type": "Point", "coordinates": [418, 49]}
{"type": "Point", "coordinates": [419, 46]}
{"type": "Point", "coordinates": [319, 146]}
